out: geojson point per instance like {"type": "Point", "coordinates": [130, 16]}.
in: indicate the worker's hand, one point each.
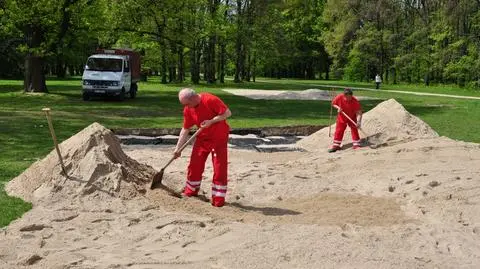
{"type": "Point", "coordinates": [176, 154]}
{"type": "Point", "coordinates": [359, 124]}
{"type": "Point", "coordinates": [206, 123]}
{"type": "Point", "coordinates": [339, 109]}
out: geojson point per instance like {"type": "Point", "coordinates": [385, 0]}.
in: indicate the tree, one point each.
{"type": "Point", "coordinates": [45, 28]}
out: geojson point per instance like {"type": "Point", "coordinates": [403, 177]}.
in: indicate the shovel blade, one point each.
{"type": "Point", "coordinates": [157, 179]}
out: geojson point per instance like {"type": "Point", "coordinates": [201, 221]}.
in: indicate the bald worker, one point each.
{"type": "Point", "coordinates": [208, 112]}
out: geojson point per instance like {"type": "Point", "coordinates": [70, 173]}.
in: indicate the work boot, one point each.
{"type": "Point", "coordinates": [218, 201]}
{"type": "Point", "coordinates": [333, 149]}
{"type": "Point", "coordinates": [188, 192]}
{"type": "Point", "coordinates": [356, 147]}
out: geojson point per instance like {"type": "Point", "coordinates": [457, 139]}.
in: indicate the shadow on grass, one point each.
{"type": "Point", "coordinates": [424, 110]}
{"type": "Point", "coordinates": [10, 88]}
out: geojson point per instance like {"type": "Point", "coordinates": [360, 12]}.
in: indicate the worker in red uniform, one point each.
{"type": "Point", "coordinates": [207, 111]}
{"type": "Point", "coordinates": [348, 104]}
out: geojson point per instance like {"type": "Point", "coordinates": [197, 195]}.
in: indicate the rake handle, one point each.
{"type": "Point", "coordinates": [350, 119]}
{"type": "Point", "coordinates": [332, 95]}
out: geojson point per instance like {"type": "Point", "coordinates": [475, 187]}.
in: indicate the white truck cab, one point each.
{"type": "Point", "coordinates": [111, 73]}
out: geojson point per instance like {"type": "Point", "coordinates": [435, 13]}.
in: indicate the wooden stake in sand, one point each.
{"type": "Point", "coordinates": [54, 137]}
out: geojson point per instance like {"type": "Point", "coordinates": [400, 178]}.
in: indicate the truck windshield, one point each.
{"type": "Point", "coordinates": [104, 64]}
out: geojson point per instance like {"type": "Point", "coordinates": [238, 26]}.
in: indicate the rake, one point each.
{"type": "Point", "coordinates": [361, 130]}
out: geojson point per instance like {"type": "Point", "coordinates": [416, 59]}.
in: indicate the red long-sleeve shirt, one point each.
{"type": "Point", "coordinates": [209, 107]}
{"type": "Point", "coordinates": [349, 107]}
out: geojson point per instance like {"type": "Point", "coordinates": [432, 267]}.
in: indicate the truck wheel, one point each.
{"type": "Point", "coordinates": [86, 96]}
{"type": "Point", "coordinates": [133, 91]}
{"type": "Point", "coordinates": [122, 95]}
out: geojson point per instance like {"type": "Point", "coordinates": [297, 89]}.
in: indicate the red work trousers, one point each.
{"type": "Point", "coordinates": [339, 131]}
{"type": "Point", "coordinates": [201, 150]}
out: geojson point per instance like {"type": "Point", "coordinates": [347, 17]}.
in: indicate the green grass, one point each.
{"type": "Point", "coordinates": [24, 135]}
{"type": "Point", "coordinates": [440, 89]}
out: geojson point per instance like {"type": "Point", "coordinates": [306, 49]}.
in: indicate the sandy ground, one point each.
{"type": "Point", "coordinates": [408, 199]}
{"type": "Point", "coordinates": [309, 94]}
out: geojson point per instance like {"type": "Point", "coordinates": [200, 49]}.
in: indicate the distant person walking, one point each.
{"type": "Point", "coordinates": [346, 105]}
{"type": "Point", "coordinates": [207, 111]}
{"type": "Point", "coordinates": [378, 80]}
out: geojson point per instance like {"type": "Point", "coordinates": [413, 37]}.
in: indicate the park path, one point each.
{"type": "Point", "coordinates": [392, 91]}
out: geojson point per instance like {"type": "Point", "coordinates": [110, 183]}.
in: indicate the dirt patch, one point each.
{"type": "Point", "coordinates": [299, 130]}
{"type": "Point", "coordinates": [324, 209]}
{"type": "Point", "coordinates": [309, 94]}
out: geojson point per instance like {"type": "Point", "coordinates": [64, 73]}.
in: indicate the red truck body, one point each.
{"type": "Point", "coordinates": [134, 58]}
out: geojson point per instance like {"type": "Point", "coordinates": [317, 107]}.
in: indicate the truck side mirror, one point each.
{"type": "Point", "coordinates": [126, 68]}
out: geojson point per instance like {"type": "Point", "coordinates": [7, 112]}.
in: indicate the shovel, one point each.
{"type": "Point", "coordinates": [158, 177]}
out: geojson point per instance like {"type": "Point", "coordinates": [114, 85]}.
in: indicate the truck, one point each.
{"type": "Point", "coordinates": [111, 72]}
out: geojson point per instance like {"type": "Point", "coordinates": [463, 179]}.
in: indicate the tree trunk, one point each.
{"type": "Point", "coordinates": [394, 75]}
{"type": "Point", "coordinates": [172, 74]}
{"type": "Point", "coordinates": [210, 65]}
{"type": "Point", "coordinates": [254, 65]}
{"type": "Point", "coordinates": [163, 68]}
{"type": "Point", "coordinates": [181, 65]}
{"type": "Point", "coordinates": [61, 69]}
{"type": "Point", "coordinates": [34, 80]}
{"type": "Point", "coordinates": [239, 63]}
{"type": "Point", "coordinates": [223, 51]}
{"type": "Point", "coordinates": [327, 69]}
{"type": "Point", "coordinates": [195, 63]}
{"type": "Point", "coordinates": [205, 71]}
{"type": "Point", "coordinates": [247, 69]}
{"type": "Point", "coordinates": [210, 60]}
{"type": "Point", "coordinates": [222, 62]}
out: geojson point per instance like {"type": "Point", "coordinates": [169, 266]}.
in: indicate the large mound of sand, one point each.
{"type": "Point", "coordinates": [97, 168]}
{"type": "Point", "coordinates": [386, 124]}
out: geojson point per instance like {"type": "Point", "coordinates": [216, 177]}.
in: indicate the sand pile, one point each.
{"type": "Point", "coordinates": [96, 165]}
{"type": "Point", "coordinates": [309, 94]}
{"type": "Point", "coordinates": [386, 124]}
{"type": "Point", "coordinates": [409, 205]}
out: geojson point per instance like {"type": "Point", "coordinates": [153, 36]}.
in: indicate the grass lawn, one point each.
{"type": "Point", "coordinates": [25, 137]}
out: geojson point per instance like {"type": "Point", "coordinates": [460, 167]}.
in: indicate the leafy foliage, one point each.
{"type": "Point", "coordinates": [404, 41]}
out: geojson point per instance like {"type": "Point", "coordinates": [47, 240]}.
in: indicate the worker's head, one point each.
{"type": "Point", "coordinates": [188, 97]}
{"type": "Point", "coordinates": [348, 93]}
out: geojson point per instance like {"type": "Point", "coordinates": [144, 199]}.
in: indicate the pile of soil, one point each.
{"type": "Point", "coordinates": [97, 169]}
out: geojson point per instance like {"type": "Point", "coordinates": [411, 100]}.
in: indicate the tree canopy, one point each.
{"type": "Point", "coordinates": [413, 41]}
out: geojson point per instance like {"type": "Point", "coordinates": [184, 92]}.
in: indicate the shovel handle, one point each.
{"type": "Point", "coordinates": [190, 139]}
{"type": "Point", "coordinates": [184, 146]}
